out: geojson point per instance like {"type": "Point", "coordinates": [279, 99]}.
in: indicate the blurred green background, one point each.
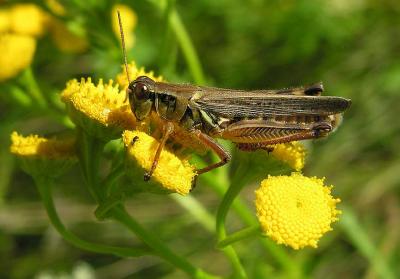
{"type": "Point", "coordinates": [352, 46]}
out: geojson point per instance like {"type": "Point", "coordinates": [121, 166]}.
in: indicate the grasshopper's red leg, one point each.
{"type": "Point", "coordinates": [168, 130]}
{"type": "Point", "coordinates": [212, 144]}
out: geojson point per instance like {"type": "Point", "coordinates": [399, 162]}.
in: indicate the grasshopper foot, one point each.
{"type": "Point", "coordinates": [194, 180]}
{"type": "Point", "coordinates": [146, 176]}
{"type": "Point", "coordinates": [135, 138]}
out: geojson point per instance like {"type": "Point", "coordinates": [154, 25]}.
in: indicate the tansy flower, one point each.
{"type": "Point", "coordinates": [65, 39]}
{"type": "Point", "coordinates": [101, 110]}
{"type": "Point", "coordinates": [134, 72]}
{"type": "Point", "coordinates": [16, 53]}
{"type": "Point", "coordinates": [56, 7]}
{"type": "Point", "coordinates": [171, 175]}
{"type": "Point", "coordinates": [4, 20]}
{"type": "Point", "coordinates": [129, 21]}
{"type": "Point", "coordinates": [28, 19]}
{"type": "Point", "coordinates": [292, 153]}
{"type": "Point", "coordinates": [34, 145]}
{"type": "Point", "coordinates": [295, 210]}
{"type": "Point", "coordinates": [41, 156]}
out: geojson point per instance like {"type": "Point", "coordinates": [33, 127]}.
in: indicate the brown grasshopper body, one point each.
{"type": "Point", "coordinates": [251, 119]}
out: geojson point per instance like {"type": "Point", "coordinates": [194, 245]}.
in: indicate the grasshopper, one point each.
{"type": "Point", "coordinates": [253, 120]}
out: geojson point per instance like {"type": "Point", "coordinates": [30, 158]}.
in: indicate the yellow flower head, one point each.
{"type": "Point", "coordinates": [99, 109]}
{"type": "Point", "coordinates": [28, 19]}
{"type": "Point", "coordinates": [129, 21]}
{"type": "Point", "coordinates": [16, 53]}
{"type": "Point", "coordinates": [41, 156]}
{"type": "Point", "coordinates": [292, 153]}
{"type": "Point", "coordinates": [56, 7]}
{"type": "Point", "coordinates": [295, 210]}
{"type": "Point", "coordinates": [4, 20]}
{"type": "Point", "coordinates": [134, 72]}
{"type": "Point", "coordinates": [34, 145]}
{"type": "Point", "coordinates": [171, 175]}
{"type": "Point", "coordinates": [66, 40]}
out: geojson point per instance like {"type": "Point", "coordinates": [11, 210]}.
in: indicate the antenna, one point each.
{"type": "Point", "coordinates": [121, 30]}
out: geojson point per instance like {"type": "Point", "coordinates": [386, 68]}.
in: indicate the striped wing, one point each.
{"type": "Point", "coordinates": [254, 105]}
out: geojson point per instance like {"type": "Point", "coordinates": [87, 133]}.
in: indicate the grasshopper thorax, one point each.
{"type": "Point", "coordinates": [141, 96]}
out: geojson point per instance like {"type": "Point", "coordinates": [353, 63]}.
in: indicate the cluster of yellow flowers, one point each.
{"type": "Point", "coordinates": [22, 24]}
{"type": "Point", "coordinates": [293, 210]}
{"type": "Point", "coordinates": [102, 111]}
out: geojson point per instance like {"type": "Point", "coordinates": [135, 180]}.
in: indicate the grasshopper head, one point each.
{"type": "Point", "coordinates": [141, 96]}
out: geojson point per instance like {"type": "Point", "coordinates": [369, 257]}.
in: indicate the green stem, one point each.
{"type": "Point", "coordinates": [187, 47]}
{"type": "Point", "coordinates": [108, 185]}
{"type": "Point", "coordinates": [247, 216]}
{"type": "Point", "coordinates": [19, 96]}
{"type": "Point", "coordinates": [239, 235]}
{"type": "Point", "coordinates": [44, 186]}
{"type": "Point", "coordinates": [184, 41]}
{"type": "Point", "coordinates": [169, 46]}
{"type": "Point", "coordinates": [239, 180]}
{"type": "Point", "coordinates": [103, 210]}
{"type": "Point", "coordinates": [120, 214]}
{"type": "Point", "coordinates": [241, 209]}
{"type": "Point", "coordinates": [293, 268]}
{"type": "Point", "coordinates": [197, 210]}
{"type": "Point", "coordinates": [89, 152]}
{"type": "Point", "coordinates": [30, 82]}
{"type": "Point", "coordinates": [112, 177]}
{"type": "Point", "coordinates": [207, 221]}
{"type": "Point", "coordinates": [237, 184]}
{"type": "Point", "coordinates": [234, 259]}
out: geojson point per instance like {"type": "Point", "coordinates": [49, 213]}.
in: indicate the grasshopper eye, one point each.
{"type": "Point", "coordinates": [141, 91]}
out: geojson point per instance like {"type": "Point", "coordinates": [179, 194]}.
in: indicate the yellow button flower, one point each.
{"type": "Point", "coordinates": [56, 7]}
{"type": "Point", "coordinates": [129, 21]}
{"type": "Point", "coordinates": [101, 110]}
{"type": "Point", "coordinates": [16, 53]}
{"type": "Point", "coordinates": [42, 156]}
{"type": "Point", "coordinates": [4, 20]}
{"type": "Point", "coordinates": [295, 210]}
{"type": "Point", "coordinates": [28, 19]}
{"type": "Point", "coordinates": [292, 153]}
{"type": "Point", "coordinates": [66, 40]}
{"type": "Point", "coordinates": [171, 175]}
{"type": "Point", "coordinates": [34, 145]}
